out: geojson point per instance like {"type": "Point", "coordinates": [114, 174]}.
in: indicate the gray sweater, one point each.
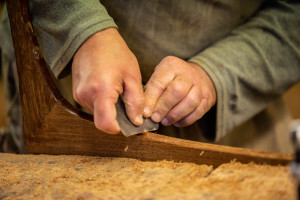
{"type": "Point", "coordinates": [249, 48]}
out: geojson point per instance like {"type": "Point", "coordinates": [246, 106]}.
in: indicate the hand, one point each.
{"type": "Point", "coordinates": [178, 93]}
{"type": "Point", "coordinates": [102, 69]}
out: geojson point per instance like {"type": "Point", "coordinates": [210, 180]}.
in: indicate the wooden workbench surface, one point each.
{"type": "Point", "coordinates": [82, 177]}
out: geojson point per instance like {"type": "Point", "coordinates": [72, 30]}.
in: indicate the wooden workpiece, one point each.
{"type": "Point", "coordinates": [83, 177]}
{"type": "Point", "coordinates": [51, 125]}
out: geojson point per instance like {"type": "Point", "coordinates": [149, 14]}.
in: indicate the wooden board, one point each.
{"type": "Point", "coordinates": [3, 117]}
{"type": "Point", "coordinates": [53, 126]}
{"type": "Point", "coordinates": [292, 98]}
{"type": "Point", "coordinates": [82, 177]}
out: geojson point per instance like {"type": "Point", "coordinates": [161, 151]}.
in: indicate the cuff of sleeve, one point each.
{"type": "Point", "coordinates": [217, 77]}
{"type": "Point", "coordinates": [61, 62]}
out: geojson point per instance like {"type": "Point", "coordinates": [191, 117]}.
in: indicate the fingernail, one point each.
{"type": "Point", "coordinates": [165, 122]}
{"type": "Point", "coordinates": [139, 119]}
{"type": "Point", "coordinates": [147, 111]}
{"type": "Point", "coordinates": [156, 117]}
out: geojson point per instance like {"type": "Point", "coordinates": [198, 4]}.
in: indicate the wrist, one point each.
{"type": "Point", "coordinates": [205, 76]}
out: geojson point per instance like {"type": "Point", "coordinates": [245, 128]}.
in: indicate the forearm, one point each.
{"type": "Point", "coordinates": [254, 64]}
{"type": "Point", "coordinates": [62, 26]}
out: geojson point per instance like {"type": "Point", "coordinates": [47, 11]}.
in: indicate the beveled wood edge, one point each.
{"type": "Point", "coordinates": [151, 147]}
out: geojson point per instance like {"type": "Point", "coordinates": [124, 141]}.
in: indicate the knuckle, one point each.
{"type": "Point", "coordinates": [199, 112]}
{"type": "Point", "coordinates": [134, 100]}
{"type": "Point", "coordinates": [164, 107]}
{"type": "Point", "coordinates": [81, 94]}
{"type": "Point", "coordinates": [129, 104]}
{"type": "Point", "coordinates": [172, 117]}
{"type": "Point", "coordinates": [192, 101]}
{"type": "Point", "coordinates": [139, 101]}
{"type": "Point", "coordinates": [178, 90]}
{"type": "Point", "coordinates": [205, 104]}
{"type": "Point", "coordinates": [78, 95]}
{"type": "Point", "coordinates": [85, 92]}
{"type": "Point", "coordinates": [131, 107]}
{"type": "Point", "coordinates": [158, 84]}
{"type": "Point", "coordinates": [133, 75]}
{"type": "Point", "coordinates": [170, 60]}
{"type": "Point", "coordinates": [89, 89]}
{"type": "Point", "coordinates": [134, 107]}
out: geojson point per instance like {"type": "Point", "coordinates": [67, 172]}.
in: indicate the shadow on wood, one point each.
{"type": "Point", "coordinates": [52, 126]}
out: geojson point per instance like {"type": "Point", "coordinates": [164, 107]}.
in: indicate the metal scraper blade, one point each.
{"type": "Point", "coordinates": [129, 128]}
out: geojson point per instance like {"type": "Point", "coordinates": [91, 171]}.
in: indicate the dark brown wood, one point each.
{"type": "Point", "coordinates": [52, 126]}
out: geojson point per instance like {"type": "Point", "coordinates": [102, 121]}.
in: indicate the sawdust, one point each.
{"type": "Point", "coordinates": [82, 177]}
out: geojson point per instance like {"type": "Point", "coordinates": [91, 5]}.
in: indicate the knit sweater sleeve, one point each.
{"type": "Point", "coordinates": [62, 26]}
{"type": "Point", "coordinates": [255, 64]}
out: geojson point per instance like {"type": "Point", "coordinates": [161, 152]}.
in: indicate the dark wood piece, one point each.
{"type": "Point", "coordinates": [52, 126]}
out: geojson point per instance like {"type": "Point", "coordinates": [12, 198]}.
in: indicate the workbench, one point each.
{"type": "Point", "coordinates": [84, 177]}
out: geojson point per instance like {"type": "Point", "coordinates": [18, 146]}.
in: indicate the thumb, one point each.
{"type": "Point", "coordinates": [133, 98]}
{"type": "Point", "coordinates": [105, 113]}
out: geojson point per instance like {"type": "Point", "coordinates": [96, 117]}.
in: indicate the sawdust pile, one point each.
{"type": "Point", "coordinates": [82, 177]}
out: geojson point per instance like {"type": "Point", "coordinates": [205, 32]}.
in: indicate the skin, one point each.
{"type": "Point", "coordinates": [102, 69]}
{"type": "Point", "coordinates": [178, 92]}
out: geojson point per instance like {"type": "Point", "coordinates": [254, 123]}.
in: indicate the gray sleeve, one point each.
{"type": "Point", "coordinates": [62, 26]}
{"type": "Point", "coordinates": [255, 64]}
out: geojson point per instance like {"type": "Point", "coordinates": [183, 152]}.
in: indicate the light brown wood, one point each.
{"type": "Point", "coordinates": [52, 126]}
{"type": "Point", "coordinates": [84, 177]}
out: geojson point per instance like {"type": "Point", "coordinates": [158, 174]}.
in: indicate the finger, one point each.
{"type": "Point", "coordinates": [187, 106]}
{"type": "Point", "coordinates": [105, 113]}
{"type": "Point", "coordinates": [133, 98]}
{"type": "Point", "coordinates": [196, 115]}
{"type": "Point", "coordinates": [84, 96]}
{"type": "Point", "coordinates": [175, 93]}
{"type": "Point", "coordinates": [155, 87]}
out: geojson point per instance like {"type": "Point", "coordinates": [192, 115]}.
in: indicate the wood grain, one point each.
{"type": "Point", "coordinates": [85, 177]}
{"type": "Point", "coordinates": [53, 126]}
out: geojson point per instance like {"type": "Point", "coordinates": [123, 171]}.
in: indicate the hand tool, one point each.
{"type": "Point", "coordinates": [127, 127]}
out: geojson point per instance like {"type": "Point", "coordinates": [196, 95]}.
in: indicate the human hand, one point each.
{"type": "Point", "coordinates": [102, 69]}
{"type": "Point", "coordinates": [178, 93]}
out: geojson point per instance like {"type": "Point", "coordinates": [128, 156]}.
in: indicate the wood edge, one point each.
{"type": "Point", "coordinates": [231, 153]}
{"type": "Point", "coordinates": [215, 147]}
{"type": "Point", "coordinates": [54, 93]}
